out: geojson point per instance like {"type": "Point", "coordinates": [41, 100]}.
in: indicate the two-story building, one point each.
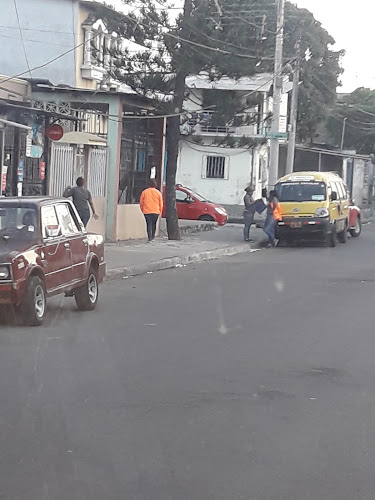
{"type": "Point", "coordinates": [219, 160]}
{"type": "Point", "coordinates": [110, 134]}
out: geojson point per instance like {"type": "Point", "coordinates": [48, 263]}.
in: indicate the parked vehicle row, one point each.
{"type": "Point", "coordinates": [44, 251]}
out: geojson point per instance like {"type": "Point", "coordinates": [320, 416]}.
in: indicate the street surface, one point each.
{"type": "Point", "coordinates": [251, 377]}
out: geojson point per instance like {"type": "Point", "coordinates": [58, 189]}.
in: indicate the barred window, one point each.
{"type": "Point", "coordinates": [215, 167]}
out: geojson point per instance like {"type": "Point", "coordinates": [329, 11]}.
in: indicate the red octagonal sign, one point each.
{"type": "Point", "coordinates": [55, 132]}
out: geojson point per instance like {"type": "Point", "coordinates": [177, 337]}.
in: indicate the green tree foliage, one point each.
{"type": "Point", "coordinates": [358, 111]}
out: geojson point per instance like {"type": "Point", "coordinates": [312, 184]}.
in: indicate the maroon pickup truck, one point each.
{"type": "Point", "coordinates": [44, 251]}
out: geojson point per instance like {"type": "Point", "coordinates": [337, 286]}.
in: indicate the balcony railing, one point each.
{"type": "Point", "coordinates": [202, 123]}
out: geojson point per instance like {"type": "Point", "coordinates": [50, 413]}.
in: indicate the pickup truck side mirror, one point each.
{"type": "Point", "coordinates": [333, 196]}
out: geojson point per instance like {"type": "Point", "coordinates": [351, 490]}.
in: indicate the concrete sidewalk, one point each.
{"type": "Point", "coordinates": [137, 257]}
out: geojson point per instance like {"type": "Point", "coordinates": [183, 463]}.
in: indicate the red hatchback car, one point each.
{"type": "Point", "coordinates": [192, 206]}
{"type": "Point", "coordinates": [45, 251]}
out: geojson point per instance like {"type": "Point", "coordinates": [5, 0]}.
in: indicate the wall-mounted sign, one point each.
{"type": "Point", "coordinates": [42, 170]}
{"type": "Point", "coordinates": [4, 171]}
{"type": "Point", "coordinates": [29, 142]}
{"type": "Point", "coordinates": [20, 171]}
{"type": "Point", "coordinates": [55, 132]}
{"type": "Point", "coordinates": [35, 152]}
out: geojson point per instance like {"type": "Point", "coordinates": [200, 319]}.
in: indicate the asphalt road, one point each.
{"type": "Point", "coordinates": [252, 377]}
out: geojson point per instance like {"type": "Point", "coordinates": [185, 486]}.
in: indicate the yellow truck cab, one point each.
{"type": "Point", "coordinates": [314, 205]}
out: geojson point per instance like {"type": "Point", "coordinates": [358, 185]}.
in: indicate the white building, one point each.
{"type": "Point", "coordinates": [220, 160]}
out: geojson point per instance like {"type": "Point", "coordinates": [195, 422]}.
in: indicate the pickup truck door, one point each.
{"type": "Point", "coordinates": [55, 254]}
{"type": "Point", "coordinates": [77, 239]}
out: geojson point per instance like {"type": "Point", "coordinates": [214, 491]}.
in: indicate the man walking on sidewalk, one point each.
{"type": "Point", "coordinates": [151, 203]}
{"type": "Point", "coordinates": [82, 200]}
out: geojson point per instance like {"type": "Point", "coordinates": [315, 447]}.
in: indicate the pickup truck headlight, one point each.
{"type": "Point", "coordinates": [322, 212]}
{"type": "Point", "coordinates": [4, 272]}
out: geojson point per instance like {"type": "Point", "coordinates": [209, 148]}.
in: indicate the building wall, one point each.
{"type": "Point", "coordinates": [49, 29]}
{"type": "Point", "coordinates": [130, 223]}
{"type": "Point", "coordinates": [98, 226]}
{"type": "Point", "coordinates": [229, 191]}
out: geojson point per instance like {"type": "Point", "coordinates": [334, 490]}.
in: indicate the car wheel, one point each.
{"type": "Point", "coordinates": [206, 218]}
{"type": "Point", "coordinates": [343, 236]}
{"type": "Point", "coordinates": [34, 302]}
{"type": "Point", "coordinates": [87, 295]}
{"type": "Point", "coordinates": [356, 231]}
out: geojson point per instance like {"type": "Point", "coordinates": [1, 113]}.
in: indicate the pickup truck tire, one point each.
{"type": "Point", "coordinates": [87, 295]}
{"type": "Point", "coordinates": [356, 231]}
{"type": "Point", "coordinates": [34, 302]}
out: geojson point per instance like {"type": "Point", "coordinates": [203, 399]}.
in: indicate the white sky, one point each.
{"type": "Point", "coordinates": [352, 26]}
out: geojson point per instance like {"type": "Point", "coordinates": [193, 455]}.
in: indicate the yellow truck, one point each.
{"type": "Point", "coordinates": [314, 205]}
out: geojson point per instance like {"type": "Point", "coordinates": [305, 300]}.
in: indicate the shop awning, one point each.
{"type": "Point", "coordinates": [83, 138]}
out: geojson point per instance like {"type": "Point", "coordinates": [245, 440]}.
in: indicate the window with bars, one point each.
{"type": "Point", "coordinates": [216, 167]}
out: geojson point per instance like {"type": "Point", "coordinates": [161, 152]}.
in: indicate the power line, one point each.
{"type": "Point", "coordinates": [191, 42]}
{"type": "Point", "coordinates": [38, 30]}
{"type": "Point", "coordinates": [34, 41]}
{"type": "Point", "coordinates": [23, 43]}
{"type": "Point", "coordinates": [350, 105]}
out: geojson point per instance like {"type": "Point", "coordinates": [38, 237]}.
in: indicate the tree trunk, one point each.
{"type": "Point", "coordinates": [173, 137]}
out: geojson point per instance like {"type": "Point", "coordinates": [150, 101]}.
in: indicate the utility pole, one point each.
{"type": "Point", "coordinates": [343, 134]}
{"type": "Point", "coordinates": [277, 94]}
{"type": "Point", "coordinates": [293, 112]}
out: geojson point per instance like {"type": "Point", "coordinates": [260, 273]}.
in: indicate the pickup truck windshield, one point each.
{"type": "Point", "coordinates": [301, 191]}
{"type": "Point", "coordinates": [18, 223]}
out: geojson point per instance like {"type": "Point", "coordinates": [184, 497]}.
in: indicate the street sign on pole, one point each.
{"type": "Point", "coordinates": [276, 135]}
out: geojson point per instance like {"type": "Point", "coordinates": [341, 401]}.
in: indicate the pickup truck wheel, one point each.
{"type": "Point", "coordinates": [87, 295]}
{"type": "Point", "coordinates": [34, 302]}
{"type": "Point", "coordinates": [356, 231]}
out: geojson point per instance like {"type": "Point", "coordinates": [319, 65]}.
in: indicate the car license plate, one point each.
{"type": "Point", "coordinates": [295, 224]}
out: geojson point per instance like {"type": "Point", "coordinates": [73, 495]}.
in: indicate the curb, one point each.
{"type": "Point", "coordinates": [171, 262]}
{"type": "Point", "coordinates": [194, 228]}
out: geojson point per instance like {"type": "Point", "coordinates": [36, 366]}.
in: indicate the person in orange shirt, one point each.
{"type": "Point", "coordinates": [151, 202]}
{"type": "Point", "coordinates": [273, 217]}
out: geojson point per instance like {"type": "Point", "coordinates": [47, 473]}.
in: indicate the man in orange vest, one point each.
{"type": "Point", "coordinates": [273, 217]}
{"type": "Point", "coordinates": [151, 202]}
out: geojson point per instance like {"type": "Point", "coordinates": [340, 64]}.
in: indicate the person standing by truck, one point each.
{"type": "Point", "coordinates": [273, 217]}
{"type": "Point", "coordinates": [248, 215]}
